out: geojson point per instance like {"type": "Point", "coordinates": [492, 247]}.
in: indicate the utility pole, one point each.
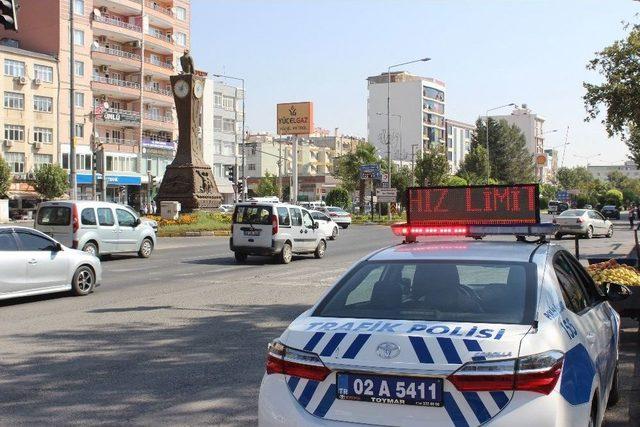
{"type": "Point", "coordinates": [294, 172]}
{"type": "Point", "coordinates": [280, 170]}
{"type": "Point", "coordinates": [73, 178]}
{"type": "Point", "coordinates": [413, 163]}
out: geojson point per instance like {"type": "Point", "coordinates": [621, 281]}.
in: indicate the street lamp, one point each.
{"type": "Point", "coordinates": [587, 157]}
{"type": "Point", "coordinates": [511, 104]}
{"type": "Point", "coordinates": [244, 186]}
{"type": "Point", "coordinates": [400, 119]}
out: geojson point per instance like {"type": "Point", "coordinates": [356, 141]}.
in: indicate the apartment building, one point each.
{"type": "Point", "coordinates": [417, 109]}
{"type": "Point", "coordinates": [222, 132]}
{"type": "Point", "coordinates": [459, 136]}
{"type": "Point", "coordinates": [29, 117]}
{"type": "Point", "coordinates": [125, 51]}
{"type": "Point", "coordinates": [628, 169]}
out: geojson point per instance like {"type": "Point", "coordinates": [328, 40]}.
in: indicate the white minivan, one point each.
{"type": "Point", "coordinates": [99, 228]}
{"type": "Point", "coordinates": [274, 229]}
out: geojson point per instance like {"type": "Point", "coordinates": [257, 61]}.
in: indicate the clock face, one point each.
{"type": "Point", "coordinates": [181, 88]}
{"type": "Point", "coordinates": [198, 88]}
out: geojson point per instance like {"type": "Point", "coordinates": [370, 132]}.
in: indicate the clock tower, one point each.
{"type": "Point", "coordinates": [188, 179]}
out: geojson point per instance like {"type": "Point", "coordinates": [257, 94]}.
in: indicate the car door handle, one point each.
{"type": "Point", "coordinates": [300, 231]}
{"type": "Point", "coordinates": [33, 261]}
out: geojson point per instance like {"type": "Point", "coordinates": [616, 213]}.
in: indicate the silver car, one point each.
{"type": "Point", "coordinates": [32, 263]}
{"type": "Point", "coordinates": [583, 222]}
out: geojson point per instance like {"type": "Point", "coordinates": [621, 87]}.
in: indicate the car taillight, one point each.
{"type": "Point", "coordinates": [333, 214]}
{"type": "Point", "coordinates": [274, 224]}
{"type": "Point", "coordinates": [580, 220]}
{"type": "Point", "coordinates": [537, 373]}
{"type": "Point", "coordinates": [288, 361]}
{"type": "Point", "coordinates": [555, 221]}
{"type": "Point", "coordinates": [76, 219]}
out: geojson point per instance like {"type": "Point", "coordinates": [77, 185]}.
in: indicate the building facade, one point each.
{"type": "Point", "coordinates": [222, 133]}
{"type": "Point", "coordinates": [417, 113]}
{"type": "Point", "coordinates": [459, 136]}
{"type": "Point", "coordinates": [124, 53]}
{"type": "Point", "coordinates": [628, 169]}
{"type": "Point", "coordinates": [30, 117]}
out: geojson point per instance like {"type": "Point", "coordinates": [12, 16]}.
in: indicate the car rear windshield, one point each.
{"type": "Point", "coordinates": [252, 215]}
{"type": "Point", "coordinates": [609, 208]}
{"type": "Point", "coordinates": [573, 212]}
{"type": "Point", "coordinates": [54, 215]}
{"type": "Point", "coordinates": [488, 292]}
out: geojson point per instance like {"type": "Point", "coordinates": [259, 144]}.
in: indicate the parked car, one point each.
{"type": "Point", "coordinates": [98, 228]}
{"type": "Point", "coordinates": [588, 206]}
{"type": "Point", "coordinates": [326, 224]}
{"type": "Point", "coordinates": [225, 208]}
{"type": "Point", "coordinates": [274, 229]}
{"type": "Point", "coordinates": [339, 215]}
{"type": "Point", "coordinates": [583, 222]}
{"type": "Point", "coordinates": [556, 208]}
{"type": "Point", "coordinates": [610, 211]}
{"type": "Point", "coordinates": [33, 264]}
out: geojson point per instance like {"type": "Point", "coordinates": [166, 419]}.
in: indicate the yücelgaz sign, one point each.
{"type": "Point", "coordinates": [295, 118]}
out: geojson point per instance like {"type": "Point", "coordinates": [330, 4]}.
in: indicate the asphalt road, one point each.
{"type": "Point", "coordinates": [180, 338]}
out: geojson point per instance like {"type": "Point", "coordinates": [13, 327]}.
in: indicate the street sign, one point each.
{"type": "Point", "coordinates": [386, 195]}
{"type": "Point", "coordinates": [371, 172]}
{"type": "Point", "coordinates": [295, 118]}
{"type": "Point", "coordinates": [563, 196]}
{"type": "Point", "coordinates": [385, 178]}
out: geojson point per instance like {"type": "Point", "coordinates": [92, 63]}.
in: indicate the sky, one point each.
{"type": "Point", "coordinates": [489, 53]}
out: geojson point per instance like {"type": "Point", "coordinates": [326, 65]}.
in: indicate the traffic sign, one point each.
{"type": "Point", "coordinates": [385, 178]}
{"type": "Point", "coordinates": [386, 195]}
{"type": "Point", "coordinates": [371, 171]}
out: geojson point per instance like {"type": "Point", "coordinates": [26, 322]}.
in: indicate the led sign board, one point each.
{"type": "Point", "coordinates": [474, 205]}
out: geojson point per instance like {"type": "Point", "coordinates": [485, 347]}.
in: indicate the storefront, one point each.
{"type": "Point", "coordinates": [124, 189]}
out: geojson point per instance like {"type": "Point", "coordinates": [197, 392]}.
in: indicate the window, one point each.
{"type": "Point", "coordinates": [32, 242]}
{"type": "Point", "coordinates": [54, 215]}
{"type": "Point", "coordinates": [572, 292]}
{"type": "Point", "coordinates": [217, 99]}
{"type": "Point", "coordinates": [14, 132]}
{"type": "Point", "coordinates": [227, 102]}
{"type": "Point", "coordinates": [16, 162]}
{"type": "Point", "coordinates": [79, 130]}
{"type": "Point", "coordinates": [227, 149]}
{"type": "Point", "coordinates": [217, 146]}
{"type": "Point", "coordinates": [43, 104]}
{"type": "Point", "coordinates": [78, 7]}
{"type": "Point", "coordinates": [14, 100]}
{"type": "Point", "coordinates": [42, 159]}
{"type": "Point", "coordinates": [217, 123]}
{"type": "Point", "coordinates": [44, 135]}
{"type": "Point", "coordinates": [283, 217]}
{"type": "Point", "coordinates": [228, 125]}
{"type": "Point", "coordinates": [78, 37]}
{"type": "Point", "coordinates": [252, 166]}
{"type": "Point", "coordinates": [78, 66]}
{"type": "Point", "coordinates": [43, 72]}
{"type": "Point", "coordinates": [7, 242]}
{"type": "Point", "coordinates": [78, 98]}
{"type": "Point", "coordinates": [13, 68]}
{"type": "Point", "coordinates": [296, 217]}
{"type": "Point", "coordinates": [125, 219]}
{"type": "Point", "coordinates": [456, 291]}
{"type": "Point", "coordinates": [88, 216]}
{"type": "Point", "coordinates": [181, 13]}
{"type": "Point", "coordinates": [181, 39]}
{"type": "Point", "coordinates": [83, 161]}
{"type": "Point", "coordinates": [259, 215]}
{"type": "Point", "coordinates": [105, 217]}
{"type": "Point", "coordinates": [307, 220]}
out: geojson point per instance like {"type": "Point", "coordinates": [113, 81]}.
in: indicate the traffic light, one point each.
{"type": "Point", "coordinates": [231, 173]}
{"type": "Point", "coordinates": [8, 14]}
{"type": "Point", "coordinates": [240, 187]}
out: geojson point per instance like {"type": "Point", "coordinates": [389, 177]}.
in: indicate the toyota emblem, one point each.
{"type": "Point", "coordinates": [388, 350]}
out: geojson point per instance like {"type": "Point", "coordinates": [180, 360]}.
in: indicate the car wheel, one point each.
{"type": "Point", "coordinates": [83, 282]}
{"type": "Point", "coordinates": [610, 232]}
{"type": "Point", "coordinates": [559, 236]}
{"type": "Point", "coordinates": [589, 234]}
{"type": "Point", "coordinates": [91, 248]}
{"type": "Point", "coordinates": [614, 394]}
{"type": "Point", "coordinates": [320, 249]}
{"type": "Point", "coordinates": [286, 254]}
{"type": "Point", "coordinates": [334, 233]}
{"type": "Point", "coordinates": [146, 247]}
{"type": "Point", "coordinates": [241, 257]}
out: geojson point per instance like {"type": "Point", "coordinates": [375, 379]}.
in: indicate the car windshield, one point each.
{"type": "Point", "coordinates": [257, 215]}
{"type": "Point", "coordinates": [54, 215]}
{"type": "Point", "coordinates": [609, 208]}
{"type": "Point", "coordinates": [573, 212]}
{"type": "Point", "coordinates": [490, 292]}
{"type": "Point", "coordinates": [335, 209]}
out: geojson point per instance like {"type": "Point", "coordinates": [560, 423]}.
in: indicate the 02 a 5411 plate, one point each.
{"type": "Point", "coordinates": [390, 389]}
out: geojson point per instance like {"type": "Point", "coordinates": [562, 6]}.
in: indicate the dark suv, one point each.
{"type": "Point", "coordinates": [610, 212]}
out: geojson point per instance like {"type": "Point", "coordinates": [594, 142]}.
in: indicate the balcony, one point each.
{"type": "Point", "coordinates": [120, 59]}
{"type": "Point", "coordinates": [158, 95]}
{"type": "Point", "coordinates": [158, 43]}
{"type": "Point", "coordinates": [116, 29]}
{"type": "Point", "coordinates": [158, 122]}
{"type": "Point", "coordinates": [122, 89]}
{"type": "Point", "coordinates": [120, 145]}
{"type": "Point", "coordinates": [158, 68]}
{"type": "Point", "coordinates": [116, 116]}
{"type": "Point", "coordinates": [158, 14]}
{"type": "Point", "coordinates": [126, 7]}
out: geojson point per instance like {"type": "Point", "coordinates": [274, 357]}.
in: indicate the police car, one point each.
{"type": "Point", "coordinates": [450, 333]}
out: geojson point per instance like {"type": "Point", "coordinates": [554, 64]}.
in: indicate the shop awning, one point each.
{"type": "Point", "coordinates": [224, 186]}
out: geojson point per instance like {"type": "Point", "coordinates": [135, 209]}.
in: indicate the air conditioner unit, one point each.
{"type": "Point", "coordinates": [102, 39]}
{"type": "Point", "coordinates": [37, 82]}
{"type": "Point", "coordinates": [21, 80]}
{"type": "Point", "coordinates": [103, 68]}
{"type": "Point", "coordinates": [37, 145]}
{"type": "Point", "coordinates": [8, 143]}
{"type": "Point", "coordinates": [102, 9]}
{"type": "Point", "coordinates": [147, 79]}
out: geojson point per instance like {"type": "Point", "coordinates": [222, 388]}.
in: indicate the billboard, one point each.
{"type": "Point", "coordinates": [474, 205]}
{"type": "Point", "coordinates": [295, 118]}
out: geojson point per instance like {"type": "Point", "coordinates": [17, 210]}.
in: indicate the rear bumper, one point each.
{"type": "Point", "coordinates": [274, 249]}
{"type": "Point", "coordinates": [572, 229]}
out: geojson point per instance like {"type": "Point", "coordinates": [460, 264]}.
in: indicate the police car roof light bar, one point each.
{"type": "Point", "coordinates": [410, 231]}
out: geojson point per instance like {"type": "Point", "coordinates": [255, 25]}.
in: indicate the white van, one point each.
{"type": "Point", "coordinates": [274, 229]}
{"type": "Point", "coordinates": [99, 228]}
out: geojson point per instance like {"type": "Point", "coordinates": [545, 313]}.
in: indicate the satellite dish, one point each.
{"type": "Point", "coordinates": [96, 12]}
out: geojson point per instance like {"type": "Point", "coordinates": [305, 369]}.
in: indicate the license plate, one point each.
{"type": "Point", "coordinates": [390, 389]}
{"type": "Point", "coordinates": [252, 232]}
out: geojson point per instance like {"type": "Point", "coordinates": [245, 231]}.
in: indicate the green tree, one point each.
{"type": "Point", "coordinates": [432, 168]}
{"type": "Point", "coordinates": [613, 197]}
{"type": "Point", "coordinates": [548, 191]}
{"type": "Point", "coordinates": [619, 92]}
{"type": "Point", "coordinates": [456, 181]}
{"type": "Point", "coordinates": [268, 186]}
{"type": "Point", "coordinates": [401, 180]}
{"type": "Point", "coordinates": [5, 177]}
{"type": "Point", "coordinates": [577, 178]}
{"type": "Point", "coordinates": [347, 169]}
{"type": "Point", "coordinates": [51, 181]}
{"type": "Point", "coordinates": [474, 167]}
{"type": "Point", "coordinates": [338, 197]}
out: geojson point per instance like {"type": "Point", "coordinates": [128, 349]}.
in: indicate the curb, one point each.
{"type": "Point", "coordinates": [215, 233]}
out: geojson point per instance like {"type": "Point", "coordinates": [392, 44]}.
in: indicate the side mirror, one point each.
{"type": "Point", "coordinates": [616, 292]}
{"type": "Point", "coordinates": [137, 222]}
{"type": "Point", "coordinates": [316, 225]}
{"type": "Point", "coordinates": [57, 247]}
